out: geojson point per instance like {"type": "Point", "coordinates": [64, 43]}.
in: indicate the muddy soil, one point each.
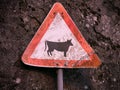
{"type": "Point", "coordinates": [98, 21]}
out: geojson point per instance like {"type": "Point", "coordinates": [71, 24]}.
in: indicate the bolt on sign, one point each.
{"type": "Point", "coordinates": [59, 43]}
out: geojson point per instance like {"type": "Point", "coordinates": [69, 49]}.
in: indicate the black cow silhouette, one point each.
{"type": "Point", "coordinates": [59, 46]}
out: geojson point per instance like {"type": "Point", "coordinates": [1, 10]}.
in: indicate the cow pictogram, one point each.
{"type": "Point", "coordinates": [59, 46]}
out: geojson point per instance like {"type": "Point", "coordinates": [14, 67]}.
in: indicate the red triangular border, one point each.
{"type": "Point", "coordinates": [58, 8]}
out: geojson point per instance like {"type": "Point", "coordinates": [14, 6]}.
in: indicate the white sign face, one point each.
{"type": "Point", "coordinates": [58, 43]}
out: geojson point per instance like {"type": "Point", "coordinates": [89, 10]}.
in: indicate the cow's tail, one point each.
{"type": "Point", "coordinates": [45, 45]}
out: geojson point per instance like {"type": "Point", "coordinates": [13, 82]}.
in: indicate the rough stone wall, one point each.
{"type": "Point", "coordinates": [98, 21]}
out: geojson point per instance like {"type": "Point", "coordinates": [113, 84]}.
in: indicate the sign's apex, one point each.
{"type": "Point", "coordinates": [57, 3]}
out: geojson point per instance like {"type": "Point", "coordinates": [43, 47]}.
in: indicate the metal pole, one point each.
{"type": "Point", "coordinates": [60, 79]}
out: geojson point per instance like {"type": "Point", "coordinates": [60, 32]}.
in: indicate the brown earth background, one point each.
{"type": "Point", "coordinates": [98, 21]}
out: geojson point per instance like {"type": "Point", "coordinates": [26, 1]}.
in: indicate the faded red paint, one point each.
{"type": "Point", "coordinates": [57, 7]}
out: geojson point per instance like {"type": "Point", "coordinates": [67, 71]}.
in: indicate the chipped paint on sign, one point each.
{"type": "Point", "coordinates": [59, 43]}
{"type": "Point", "coordinates": [58, 31]}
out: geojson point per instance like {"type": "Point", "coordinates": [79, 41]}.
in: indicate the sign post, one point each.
{"type": "Point", "coordinates": [60, 79]}
{"type": "Point", "coordinates": [58, 43]}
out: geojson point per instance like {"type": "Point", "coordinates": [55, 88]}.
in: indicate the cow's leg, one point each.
{"type": "Point", "coordinates": [48, 52]}
{"type": "Point", "coordinates": [51, 53]}
{"type": "Point", "coordinates": [64, 53]}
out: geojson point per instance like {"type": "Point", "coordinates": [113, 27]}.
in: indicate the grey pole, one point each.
{"type": "Point", "coordinates": [60, 79]}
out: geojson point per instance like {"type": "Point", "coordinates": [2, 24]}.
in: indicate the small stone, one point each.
{"type": "Point", "coordinates": [25, 19]}
{"type": "Point", "coordinates": [87, 25]}
{"type": "Point", "coordinates": [27, 27]}
{"type": "Point", "coordinates": [14, 10]}
{"type": "Point", "coordinates": [18, 80]}
{"type": "Point", "coordinates": [85, 87]}
{"type": "Point", "coordinates": [82, 15]}
{"type": "Point", "coordinates": [95, 18]}
{"type": "Point", "coordinates": [114, 79]}
{"type": "Point", "coordinates": [103, 81]}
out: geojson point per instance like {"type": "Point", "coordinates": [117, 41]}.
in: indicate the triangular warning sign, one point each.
{"type": "Point", "coordinates": [59, 43]}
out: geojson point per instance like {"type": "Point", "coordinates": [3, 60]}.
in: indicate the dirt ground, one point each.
{"type": "Point", "coordinates": [98, 21]}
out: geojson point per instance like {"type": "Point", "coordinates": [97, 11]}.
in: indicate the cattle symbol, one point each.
{"type": "Point", "coordinates": [59, 46]}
